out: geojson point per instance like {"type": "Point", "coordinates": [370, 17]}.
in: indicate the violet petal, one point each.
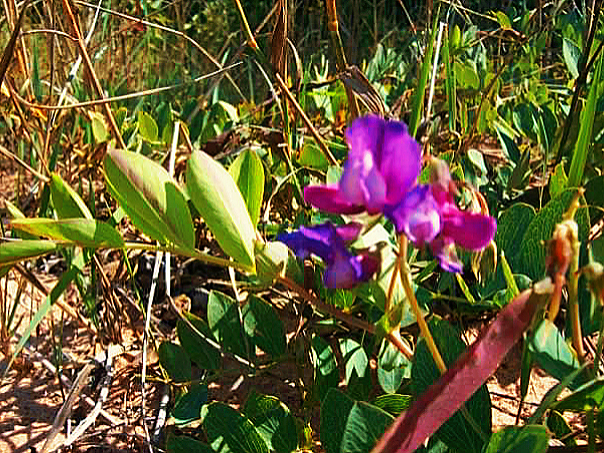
{"type": "Point", "coordinates": [400, 162]}
{"type": "Point", "coordinates": [417, 215]}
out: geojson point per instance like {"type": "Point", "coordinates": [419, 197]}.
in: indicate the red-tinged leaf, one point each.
{"type": "Point", "coordinates": [457, 385]}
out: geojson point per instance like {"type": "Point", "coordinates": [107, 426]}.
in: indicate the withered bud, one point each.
{"type": "Point", "coordinates": [564, 239]}
{"type": "Point", "coordinates": [484, 263]}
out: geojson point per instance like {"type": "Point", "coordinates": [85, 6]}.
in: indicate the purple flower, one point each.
{"type": "Point", "coordinates": [328, 242]}
{"type": "Point", "coordinates": [428, 214]}
{"type": "Point", "coordinates": [383, 164]}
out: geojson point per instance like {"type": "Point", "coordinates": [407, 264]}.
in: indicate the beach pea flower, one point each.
{"type": "Point", "coordinates": [343, 270]}
{"type": "Point", "coordinates": [383, 164]}
{"type": "Point", "coordinates": [429, 215]}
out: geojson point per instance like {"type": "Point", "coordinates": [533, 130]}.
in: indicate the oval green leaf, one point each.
{"type": "Point", "coordinates": [12, 252]}
{"type": "Point", "coordinates": [150, 197]}
{"type": "Point", "coordinates": [175, 361]}
{"type": "Point", "coordinates": [205, 356]}
{"type": "Point", "coordinates": [273, 420]}
{"type": "Point", "coordinates": [83, 232]}
{"type": "Point", "coordinates": [220, 204]}
{"type": "Point", "coordinates": [264, 327]}
{"type": "Point", "coordinates": [248, 173]}
{"type": "Point", "coordinates": [66, 201]}
{"type": "Point", "coordinates": [230, 432]}
{"type": "Point", "coordinates": [147, 127]}
{"type": "Point", "coordinates": [350, 426]}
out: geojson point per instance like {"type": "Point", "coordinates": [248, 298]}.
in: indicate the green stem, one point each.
{"type": "Point", "coordinates": [573, 302]}
{"type": "Point", "coordinates": [423, 327]}
{"type": "Point", "coordinates": [191, 253]}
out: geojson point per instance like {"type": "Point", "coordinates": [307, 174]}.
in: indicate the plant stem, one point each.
{"type": "Point", "coordinates": [423, 327]}
{"type": "Point", "coordinates": [191, 253]}
{"type": "Point", "coordinates": [573, 302]}
{"type": "Point", "coordinates": [251, 41]}
{"type": "Point", "coordinates": [342, 316]}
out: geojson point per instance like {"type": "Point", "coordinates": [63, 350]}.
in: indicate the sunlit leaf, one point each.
{"type": "Point", "coordinates": [147, 127]}
{"type": "Point", "coordinates": [248, 173]}
{"type": "Point", "coordinates": [11, 252]}
{"type": "Point", "coordinates": [150, 197]}
{"type": "Point", "coordinates": [66, 201]}
{"type": "Point", "coordinates": [219, 201]}
{"type": "Point", "coordinates": [273, 421]}
{"type": "Point", "coordinates": [82, 232]}
{"type": "Point", "coordinates": [231, 432]}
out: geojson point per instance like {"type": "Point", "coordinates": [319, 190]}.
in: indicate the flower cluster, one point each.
{"type": "Point", "coordinates": [380, 176]}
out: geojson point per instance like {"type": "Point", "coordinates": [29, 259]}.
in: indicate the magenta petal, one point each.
{"type": "Point", "coordinates": [470, 230]}
{"type": "Point", "coordinates": [328, 198]}
{"type": "Point", "coordinates": [445, 396]}
{"type": "Point", "coordinates": [349, 231]}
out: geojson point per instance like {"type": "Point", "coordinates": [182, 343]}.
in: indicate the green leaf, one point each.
{"type": "Point", "coordinates": [205, 356]}
{"type": "Point", "coordinates": [175, 361]}
{"type": "Point", "coordinates": [466, 75]}
{"type": "Point", "coordinates": [349, 426]}
{"type": "Point", "coordinates": [587, 397]}
{"type": "Point", "coordinates": [420, 90]}
{"type": "Point", "coordinates": [558, 181]}
{"type": "Point", "coordinates": [273, 421]}
{"type": "Point", "coordinates": [82, 232]}
{"type": "Point", "coordinates": [147, 127]}
{"type": "Point", "coordinates": [311, 156]}
{"type": "Point", "coordinates": [548, 348]}
{"type": "Point", "coordinates": [186, 444]}
{"type": "Point", "coordinates": [225, 324]}
{"type": "Point", "coordinates": [393, 403]}
{"type": "Point", "coordinates": [150, 197]}
{"type": "Point", "coordinates": [99, 127]}
{"type": "Point", "coordinates": [585, 141]}
{"type": "Point", "coordinates": [264, 327]}
{"type": "Point", "coordinates": [325, 367]}
{"type": "Point", "coordinates": [572, 56]}
{"type": "Point", "coordinates": [357, 378]}
{"type": "Point", "coordinates": [502, 19]}
{"type": "Point", "coordinates": [230, 432]}
{"type": "Point", "coordinates": [531, 260]}
{"type": "Point", "coordinates": [12, 252]}
{"type": "Point", "coordinates": [188, 407]}
{"type": "Point", "coordinates": [248, 173]}
{"type": "Point", "coordinates": [514, 439]}
{"type": "Point", "coordinates": [66, 201]}
{"type": "Point", "coordinates": [511, 227]}
{"type": "Point", "coordinates": [558, 425]}
{"type": "Point", "coordinates": [219, 201]}
{"type": "Point", "coordinates": [393, 367]}
{"type": "Point", "coordinates": [457, 433]}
